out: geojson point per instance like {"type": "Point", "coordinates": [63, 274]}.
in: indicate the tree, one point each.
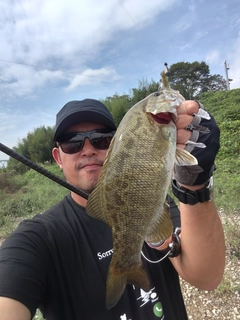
{"type": "Point", "coordinates": [143, 90]}
{"type": "Point", "coordinates": [37, 147]}
{"type": "Point", "coordinates": [192, 79]}
{"type": "Point", "coordinates": [40, 144]}
{"type": "Point", "coordinates": [118, 106]}
{"type": "Point", "coordinates": [216, 83]}
{"type": "Point", "coordinates": [17, 166]}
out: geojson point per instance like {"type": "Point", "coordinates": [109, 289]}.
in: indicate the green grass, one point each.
{"type": "Point", "coordinates": [27, 194]}
{"type": "Point", "coordinates": [23, 196]}
{"type": "Point", "coordinates": [227, 189]}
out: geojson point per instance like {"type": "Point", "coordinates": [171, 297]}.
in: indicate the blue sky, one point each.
{"type": "Point", "coordinates": [54, 51]}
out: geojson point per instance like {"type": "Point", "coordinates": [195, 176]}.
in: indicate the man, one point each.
{"type": "Point", "coordinates": [58, 261]}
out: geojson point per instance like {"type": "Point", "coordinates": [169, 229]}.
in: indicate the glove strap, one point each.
{"type": "Point", "coordinates": [193, 197]}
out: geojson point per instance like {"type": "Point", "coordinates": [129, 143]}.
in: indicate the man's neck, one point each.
{"type": "Point", "coordinates": [79, 200]}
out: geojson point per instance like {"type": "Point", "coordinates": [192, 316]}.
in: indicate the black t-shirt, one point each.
{"type": "Point", "coordinates": [58, 261]}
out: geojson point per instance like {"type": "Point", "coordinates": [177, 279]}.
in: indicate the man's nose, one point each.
{"type": "Point", "coordinates": [88, 148]}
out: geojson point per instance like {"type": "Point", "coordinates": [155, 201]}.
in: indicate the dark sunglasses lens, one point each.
{"type": "Point", "coordinates": [102, 142]}
{"type": "Point", "coordinates": [72, 146]}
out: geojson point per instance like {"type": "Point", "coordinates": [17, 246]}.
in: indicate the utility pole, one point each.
{"type": "Point", "coordinates": [226, 70]}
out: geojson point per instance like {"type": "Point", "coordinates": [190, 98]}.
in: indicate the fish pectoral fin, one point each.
{"type": "Point", "coordinates": [116, 283]}
{"type": "Point", "coordinates": [162, 228]}
{"type": "Point", "coordinates": [96, 204]}
{"type": "Point", "coordinates": [94, 209]}
{"type": "Point", "coordinates": [184, 158]}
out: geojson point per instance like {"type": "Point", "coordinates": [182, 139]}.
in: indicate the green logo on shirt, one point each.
{"type": "Point", "coordinates": [157, 309]}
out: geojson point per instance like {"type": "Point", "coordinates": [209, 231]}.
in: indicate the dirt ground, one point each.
{"type": "Point", "coordinates": [224, 302]}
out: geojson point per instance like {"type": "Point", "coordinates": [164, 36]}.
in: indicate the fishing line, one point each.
{"type": "Point", "coordinates": [127, 12]}
{"type": "Point", "coordinates": [157, 261]}
{"type": "Point", "coordinates": [155, 47]}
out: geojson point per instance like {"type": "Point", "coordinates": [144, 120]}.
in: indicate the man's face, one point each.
{"type": "Point", "coordinates": [82, 169]}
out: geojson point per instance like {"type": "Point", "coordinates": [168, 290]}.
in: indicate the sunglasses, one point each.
{"type": "Point", "coordinates": [73, 142]}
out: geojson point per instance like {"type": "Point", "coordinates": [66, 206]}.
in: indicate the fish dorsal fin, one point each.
{"type": "Point", "coordinates": [96, 205]}
{"type": "Point", "coordinates": [184, 158]}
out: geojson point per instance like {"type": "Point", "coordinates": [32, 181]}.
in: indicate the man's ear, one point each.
{"type": "Point", "coordinates": [57, 157]}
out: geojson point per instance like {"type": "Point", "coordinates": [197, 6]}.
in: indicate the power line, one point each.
{"type": "Point", "coordinates": [64, 71]}
{"type": "Point", "coordinates": [49, 69]}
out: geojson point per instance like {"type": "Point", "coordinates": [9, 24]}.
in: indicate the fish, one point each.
{"type": "Point", "coordinates": [130, 195]}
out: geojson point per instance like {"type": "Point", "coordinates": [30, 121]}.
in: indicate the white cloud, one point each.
{"type": "Point", "coordinates": [40, 30]}
{"type": "Point", "coordinates": [8, 122]}
{"type": "Point", "coordinates": [186, 20]}
{"type": "Point", "coordinates": [213, 57]}
{"type": "Point", "coordinates": [62, 35]}
{"type": "Point", "coordinates": [234, 65]}
{"type": "Point", "coordinates": [53, 51]}
{"type": "Point", "coordinates": [91, 76]}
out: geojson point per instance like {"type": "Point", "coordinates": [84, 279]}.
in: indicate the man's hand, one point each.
{"type": "Point", "coordinates": [198, 133]}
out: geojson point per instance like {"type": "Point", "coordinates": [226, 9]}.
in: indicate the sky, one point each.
{"type": "Point", "coordinates": [55, 51]}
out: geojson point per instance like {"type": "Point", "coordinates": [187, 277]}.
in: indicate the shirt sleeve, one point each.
{"type": "Point", "coordinates": [24, 263]}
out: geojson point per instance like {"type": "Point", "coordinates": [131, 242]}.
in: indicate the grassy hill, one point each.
{"type": "Point", "coordinates": [225, 106]}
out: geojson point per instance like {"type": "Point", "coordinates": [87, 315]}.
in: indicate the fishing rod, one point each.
{"type": "Point", "coordinates": [17, 156]}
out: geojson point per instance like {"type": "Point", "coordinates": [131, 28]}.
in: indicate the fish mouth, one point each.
{"type": "Point", "coordinates": [163, 117]}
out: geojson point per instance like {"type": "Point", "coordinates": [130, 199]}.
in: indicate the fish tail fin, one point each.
{"type": "Point", "coordinates": [115, 288]}
{"type": "Point", "coordinates": [116, 283]}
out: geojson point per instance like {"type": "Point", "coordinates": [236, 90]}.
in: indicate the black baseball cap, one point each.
{"type": "Point", "coordinates": [87, 110]}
